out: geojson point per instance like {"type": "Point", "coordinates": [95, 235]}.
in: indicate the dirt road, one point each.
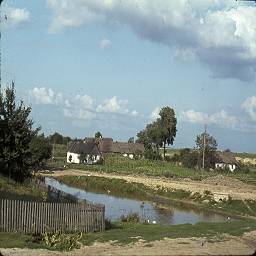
{"type": "Point", "coordinates": [182, 246]}
{"type": "Point", "coordinates": [218, 184]}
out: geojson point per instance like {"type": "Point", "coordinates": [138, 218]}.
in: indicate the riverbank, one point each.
{"type": "Point", "coordinates": [217, 184]}
{"type": "Point", "coordinates": [195, 194]}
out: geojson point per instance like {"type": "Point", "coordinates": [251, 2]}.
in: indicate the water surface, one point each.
{"type": "Point", "coordinates": [117, 206]}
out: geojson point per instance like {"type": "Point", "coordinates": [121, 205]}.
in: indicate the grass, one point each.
{"type": "Point", "coordinates": [245, 155]}
{"type": "Point", "coordinates": [125, 233]}
{"type": "Point", "coordinates": [123, 165]}
{"type": "Point", "coordinates": [26, 191]}
{"type": "Point", "coordinates": [116, 187]}
{"type": "Point", "coordinates": [178, 198]}
{"type": "Point", "coordinates": [18, 240]}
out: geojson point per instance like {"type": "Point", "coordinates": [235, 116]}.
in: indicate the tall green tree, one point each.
{"type": "Point", "coordinates": [207, 146]}
{"type": "Point", "coordinates": [15, 136]}
{"type": "Point", "coordinates": [168, 123]}
{"type": "Point", "coordinates": [160, 132]}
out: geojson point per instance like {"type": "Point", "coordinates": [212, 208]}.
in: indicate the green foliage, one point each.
{"type": "Point", "coordinates": [16, 134]}
{"type": "Point", "coordinates": [160, 132]}
{"type": "Point", "coordinates": [61, 241]}
{"type": "Point", "coordinates": [208, 144]}
{"type": "Point", "coordinates": [98, 135]}
{"type": "Point", "coordinates": [23, 191]}
{"type": "Point", "coordinates": [41, 151]}
{"type": "Point", "coordinates": [131, 217]}
{"type": "Point", "coordinates": [57, 138]}
{"type": "Point", "coordinates": [152, 154]}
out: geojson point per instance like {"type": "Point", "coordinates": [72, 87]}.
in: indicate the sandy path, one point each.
{"type": "Point", "coordinates": [182, 246]}
{"type": "Point", "coordinates": [236, 189]}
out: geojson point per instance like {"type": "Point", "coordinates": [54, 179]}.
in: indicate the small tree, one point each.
{"type": "Point", "coordinates": [207, 144]}
{"type": "Point", "coordinates": [131, 140]}
{"type": "Point", "coordinates": [168, 124]}
{"type": "Point", "coordinates": [70, 158]}
{"type": "Point", "coordinates": [98, 135]}
{"type": "Point", "coordinates": [15, 136]}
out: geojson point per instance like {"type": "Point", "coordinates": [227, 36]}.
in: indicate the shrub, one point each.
{"type": "Point", "coordinates": [59, 240]}
{"type": "Point", "coordinates": [131, 217]}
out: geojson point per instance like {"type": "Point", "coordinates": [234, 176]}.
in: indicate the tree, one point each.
{"type": "Point", "coordinates": [15, 136]}
{"type": "Point", "coordinates": [41, 150]}
{"type": "Point", "coordinates": [168, 124]}
{"type": "Point", "coordinates": [206, 144]}
{"type": "Point", "coordinates": [98, 135]}
{"type": "Point", "coordinates": [160, 132]}
{"type": "Point", "coordinates": [131, 140]}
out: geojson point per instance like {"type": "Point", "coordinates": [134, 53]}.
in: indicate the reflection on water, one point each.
{"type": "Point", "coordinates": [117, 206]}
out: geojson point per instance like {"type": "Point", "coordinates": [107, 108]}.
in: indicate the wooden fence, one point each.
{"type": "Point", "coordinates": [29, 217]}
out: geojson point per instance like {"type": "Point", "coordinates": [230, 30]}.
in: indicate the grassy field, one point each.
{"type": "Point", "coordinates": [119, 164]}
{"type": "Point", "coordinates": [26, 191]}
{"type": "Point", "coordinates": [125, 233]}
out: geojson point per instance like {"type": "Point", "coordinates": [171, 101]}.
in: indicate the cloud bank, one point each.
{"type": "Point", "coordinates": [220, 34]}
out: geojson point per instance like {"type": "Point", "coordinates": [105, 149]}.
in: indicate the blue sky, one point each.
{"type": "Point", "coordinates": [110, 65]}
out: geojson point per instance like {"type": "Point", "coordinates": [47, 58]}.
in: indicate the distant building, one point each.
{"type": "Point", "coordinates": [83, 152]}
{"type": "Point", "coordinates": [225, 160]}
{"type": "Point", "coordinates": [91, 150]}
{"type": "Point", "coordinates": [128, 149]}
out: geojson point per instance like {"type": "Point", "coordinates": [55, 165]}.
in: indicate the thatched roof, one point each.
{"type": "Point", "coordinates": [104, 146]}
{"type": "Point", "coordinates": [225, 157]}
{"type": "Point", "coordinates": [82, 147]}
{"type": "Point", "coordinates": [127, 148]}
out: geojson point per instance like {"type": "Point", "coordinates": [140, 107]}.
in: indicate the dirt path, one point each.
{"type": "Point", "coordinates": [217, 184]}
{"type": "Point", "coordinates": [182, 246]}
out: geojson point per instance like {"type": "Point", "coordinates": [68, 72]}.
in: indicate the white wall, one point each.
{"type": "Point", "coordinates": [231, 167]}
{"type": "Point", "coordinates": [75, 158]}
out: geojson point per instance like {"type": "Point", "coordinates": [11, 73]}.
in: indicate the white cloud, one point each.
{"type": "Point", "coordinates": [15, 16]}
{"type": "Point", "coordinates": [105, 43]}
{"type": "Point", "coordinates": [221, 118]}
{"type": "Point", "coordinates": [45, 96]}
{"type": "Point", "coordinates": [155, 113]}
{"type": "Point", "coordinates": [220, 34]}
{"type": "Point", "coordinates": [81, 107]}
{"type": "Point", "coordinates": [249, 106]}
{"type": "Point", "coordinates": [113, 105]}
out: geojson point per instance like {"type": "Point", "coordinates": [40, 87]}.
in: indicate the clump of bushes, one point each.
{"type": "Point", "coordinates": [61, 241]}
{"type": "Point", "coordinates": [131, 217]}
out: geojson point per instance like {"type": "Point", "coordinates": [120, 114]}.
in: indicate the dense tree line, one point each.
{"type": "Point", "coordinates": [22, 148]}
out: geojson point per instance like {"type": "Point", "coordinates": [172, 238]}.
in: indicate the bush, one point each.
{"type": "Point", "coordinates": [152, 154]}
{"type": "Point", "coordinates": [131, 217]}
{"type": "Point", "coordinates": [61, 241]}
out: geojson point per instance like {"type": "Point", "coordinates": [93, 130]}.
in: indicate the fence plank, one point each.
{"type": "Point", "coordinates": [29, 217]}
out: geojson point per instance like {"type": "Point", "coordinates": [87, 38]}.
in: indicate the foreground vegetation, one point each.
{"type": "Point", "coordinates": [28, 190]}
{"type": "Point", "coordinates": [124, 233]}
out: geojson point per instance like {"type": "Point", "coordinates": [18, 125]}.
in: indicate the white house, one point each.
{"type": "Point", "coordinates": [225, 160]}
{"type": "Point", "coordinates": [83, 152]}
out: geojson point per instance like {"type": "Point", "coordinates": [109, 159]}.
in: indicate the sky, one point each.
{"type": "Point", "coordinates": [111, 65]}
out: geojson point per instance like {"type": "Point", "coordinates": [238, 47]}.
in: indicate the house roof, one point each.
{"type": "Point", "coordinates": [225, 157]}
{"type": "Point", "coordinates": [105, 145]}
{"type": "Point", "coordinates": [127, 148]}
{"type": "Point", "coordinates": [81, 147]}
